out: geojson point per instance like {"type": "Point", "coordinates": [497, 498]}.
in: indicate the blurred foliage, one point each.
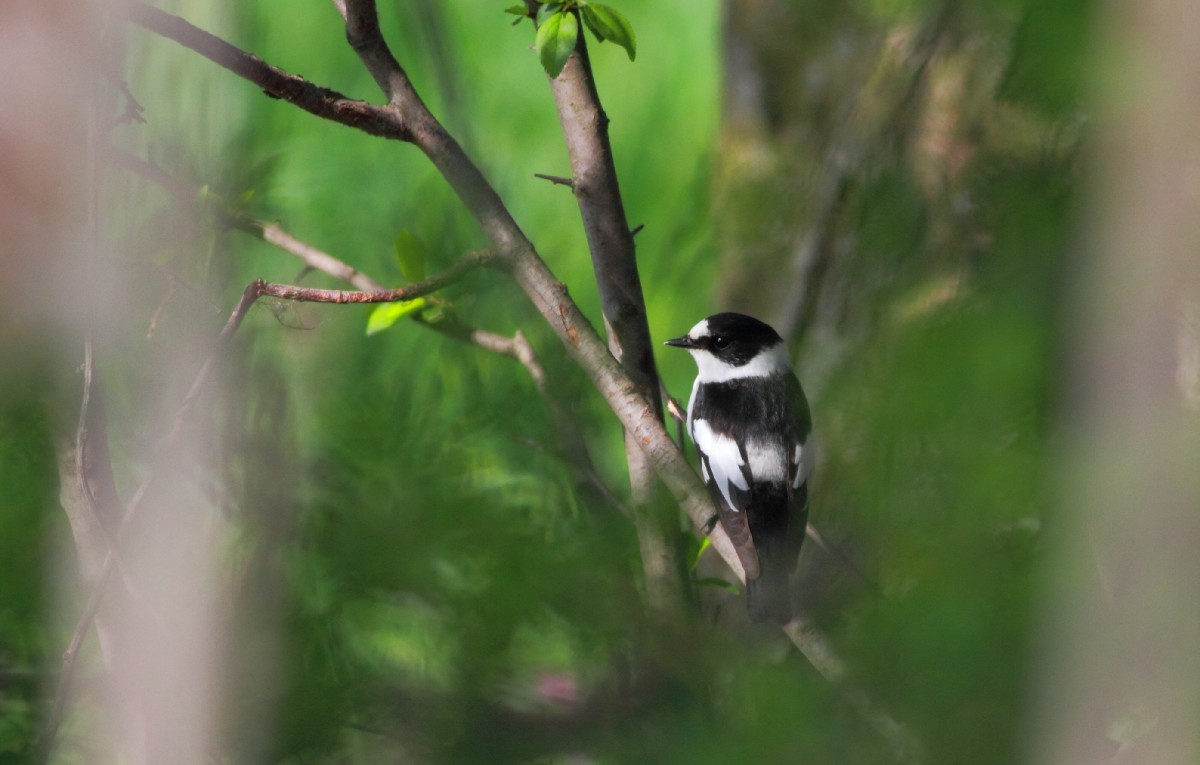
{"type": "Point", "coordinates": [442, 591]}
{"type": "Point", "coordinates": [28, 486]}
{"type": "Point", "coordinates": [923, 199]}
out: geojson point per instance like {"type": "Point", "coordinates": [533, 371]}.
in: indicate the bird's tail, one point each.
{"type": "Point", "coordinates": [768, 598]}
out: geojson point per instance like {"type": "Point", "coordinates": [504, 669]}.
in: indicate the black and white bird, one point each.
{"type": "Point", "coordinates": [750, 422]}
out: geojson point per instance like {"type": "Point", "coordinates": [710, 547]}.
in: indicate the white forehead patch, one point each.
{"type": "Point", "coordinates": [700, 330]}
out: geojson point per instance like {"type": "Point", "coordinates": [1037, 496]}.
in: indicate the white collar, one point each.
{"type": "Point", "coordinates": [769, 361]}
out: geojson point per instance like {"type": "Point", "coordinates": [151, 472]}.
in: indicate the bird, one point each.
{"type": "Point", "coordinates": [750, 421]}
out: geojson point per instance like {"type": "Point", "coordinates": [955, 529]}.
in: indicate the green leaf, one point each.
{"type": "Point", "coordinates": [410, 255]}
{"type": "Point", "coordinates": [546, 10]}
{"type": "Point", "coordinates": [516, 10]}
{"type": "Point", "coordinates": [705, 542]}
{"type": "Point", "coordinates": [607, 23]}
{"type": "Point", "coordinates": [555, 41]}
{"type": "Point", "coordinates": [385, 315]}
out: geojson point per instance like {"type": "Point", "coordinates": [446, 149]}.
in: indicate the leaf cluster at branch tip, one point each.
{"type": "Point", "coordinates": [558, 30]}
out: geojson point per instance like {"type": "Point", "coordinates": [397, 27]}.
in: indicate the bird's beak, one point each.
{"type": "Point", "coordinates": [682, 342]}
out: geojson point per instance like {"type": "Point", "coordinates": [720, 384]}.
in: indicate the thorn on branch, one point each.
{"type": "Point", "coordinates": [675, 410]}
{"type": "Point", "coordinates": [172, 285]}
{"type": "Point", "coordinates": [557, 180]}
{"type": "Point", "coordinates": [132, 113]}
{"type": "Point", "coordinates": [636, 230]}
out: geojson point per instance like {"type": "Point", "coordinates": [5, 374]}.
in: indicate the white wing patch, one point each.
{"type": "Point", "coordinates": [723, 457]}
{"type": "Point", "coordinates": [768, 461]}
{"type": "Point", "coordinates": [691, 412]}
{"type": "Point", "coordinates": [802, 459]}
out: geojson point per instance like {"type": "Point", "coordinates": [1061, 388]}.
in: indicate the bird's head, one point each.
{"type": "Point", "coordinates": [728, 346]}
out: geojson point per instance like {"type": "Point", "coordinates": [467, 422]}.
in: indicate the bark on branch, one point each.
{"type": "Point", "coordinates": [614, 262]}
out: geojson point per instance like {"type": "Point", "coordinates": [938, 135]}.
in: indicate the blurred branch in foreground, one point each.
{"type": "Point", "coordinates": [1120, 670]}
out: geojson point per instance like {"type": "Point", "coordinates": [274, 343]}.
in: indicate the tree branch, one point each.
{"type": "Point", "coordinates": [276, 83]}
{"type": "Point", "coordinates": [598, 192]}
{"type": "Point", "coordinates": [614, 262]}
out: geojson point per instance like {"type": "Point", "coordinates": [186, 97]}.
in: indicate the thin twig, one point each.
{"type": "Point", "coordinates": [434, 283]}
{"type": "Point", "coordinates": [273, 233]}
{"type": "Point", "coordinates": [557, 180]}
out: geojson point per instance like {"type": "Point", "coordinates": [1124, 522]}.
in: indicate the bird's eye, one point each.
{"type": "Point", "coordinates": [720, 341]}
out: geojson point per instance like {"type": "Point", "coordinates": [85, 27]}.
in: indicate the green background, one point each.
{"type": "Point", "coordinates": [418, 574]}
